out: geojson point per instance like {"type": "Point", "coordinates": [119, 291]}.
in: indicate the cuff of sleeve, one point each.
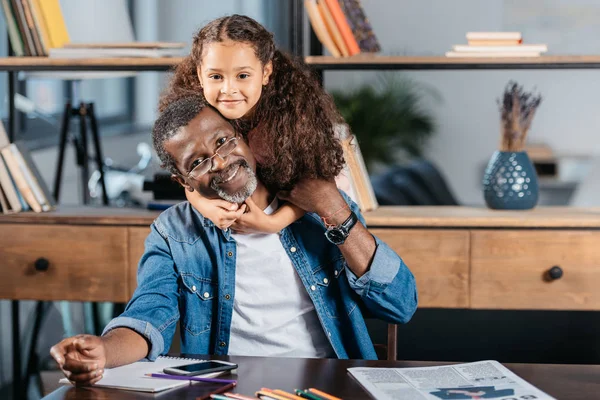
{"type": "Point", "coordinates": [145, 329]}
{"type": "Point", "coordinates": [383, 270]}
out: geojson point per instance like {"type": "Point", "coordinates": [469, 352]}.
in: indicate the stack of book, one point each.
{"type": "Point", "coordinates": [22, 188]}
{"type": "Point", "coordinates": [34, 26]}
{"type": "Point", "coordinates": [116, 50]}
{"type": "Point", "coordinates": [342, 27]}
{"type": "Point", "coordinates": [496, 44]}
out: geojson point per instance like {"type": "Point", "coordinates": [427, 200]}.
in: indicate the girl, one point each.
{"type": "Point", "coordinates": [275, 101]}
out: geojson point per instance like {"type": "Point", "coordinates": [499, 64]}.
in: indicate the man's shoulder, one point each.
{"type": "Point", "coordinates": [181, 222]}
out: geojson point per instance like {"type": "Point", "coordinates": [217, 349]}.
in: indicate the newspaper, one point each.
{"type": "Point", "coordinates": [476, 380]}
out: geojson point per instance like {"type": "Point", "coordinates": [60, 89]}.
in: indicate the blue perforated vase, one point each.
{"type": "Point", "coordinates": [510, 182]}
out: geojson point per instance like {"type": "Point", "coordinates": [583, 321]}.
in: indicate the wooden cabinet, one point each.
{"type": "Point", "coordinates": [461, 257]}
{"type": "Point", "coordinates": [54, 262]}
{"type": "Point", "coordinates": [439, 260]}
{"type": "Point", "coordinates": [511, 269]}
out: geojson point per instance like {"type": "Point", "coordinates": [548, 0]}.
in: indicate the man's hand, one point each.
{"type": "Point", "coordinates": [81, 358]}
{"type": "Point", "coordinates": [315, 195]}
{"type": "Point", "coordinates": [222, 213]}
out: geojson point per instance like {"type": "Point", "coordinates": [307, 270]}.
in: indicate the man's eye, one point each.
{"type": "Point", "coordinates": [221, 141]}
{"type": "Point", "coordinates": [195, 163]}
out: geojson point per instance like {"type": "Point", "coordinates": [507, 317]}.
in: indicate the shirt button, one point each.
{"type": "Point", "coordinates": [325, 280]}
{"type": "Point", "coordinates": [293, 249]}
{"type": "Point", "coordinates": [206, 294]}
{"type": "Point", "coordinates": [313, 287]}
{"type": "Point", "coordinates": [335, 273]}
{"type": "Point", "coordinates": [194, 288]}
{"type": "Point", "coordinates": [222, 344]}
{"type": "Point", "coordinates": [230, 254]}
{"type": "Point", "coordinates": [227, 297]}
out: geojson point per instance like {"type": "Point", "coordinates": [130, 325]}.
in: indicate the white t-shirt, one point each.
{"type": "Point", "coordinates": [272, 312]}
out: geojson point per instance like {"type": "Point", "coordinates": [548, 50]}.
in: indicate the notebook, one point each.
{"type": "Point", "coordinates": [132, 376]}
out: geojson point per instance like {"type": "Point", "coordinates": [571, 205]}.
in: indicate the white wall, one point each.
{"type": "Point", "coordinates": [468, 120]}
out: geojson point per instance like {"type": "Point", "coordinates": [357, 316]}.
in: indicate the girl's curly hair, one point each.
{"type": "Point", "coordinates": [294, 121]}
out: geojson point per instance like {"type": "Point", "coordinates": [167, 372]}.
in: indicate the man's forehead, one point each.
{"type": "Point", "coordinates": [208, 123]}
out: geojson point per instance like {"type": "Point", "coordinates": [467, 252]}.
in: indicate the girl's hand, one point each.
{"type": "Point", "coordinates": [222, 213]}
{"type": "Point", "coordinates": [254, 220]}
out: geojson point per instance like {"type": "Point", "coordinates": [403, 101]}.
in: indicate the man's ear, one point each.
{"type": "Point", "coordinates": [179, 179]}
{"type": "Point", "coordinates": [267, 71]}
{"type": "Point", "coordinates": [199, 75]}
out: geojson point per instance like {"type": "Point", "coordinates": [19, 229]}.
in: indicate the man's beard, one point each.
{"type": "Point", "coordinates": [241, 195]}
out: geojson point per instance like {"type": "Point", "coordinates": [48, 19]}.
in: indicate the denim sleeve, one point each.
{"type": "Point", "coordinates": [153, 310]}
{"type": "Point", "coordinates": [388, 288]}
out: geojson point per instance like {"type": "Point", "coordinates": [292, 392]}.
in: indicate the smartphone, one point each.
{"type": "Point", "coordinates": [201, 368]}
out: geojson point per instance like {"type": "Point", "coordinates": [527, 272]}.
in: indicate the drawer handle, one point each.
{"type": "Point", "coordinates": [41, 264]}
{"type": "Point", "coordinates": [555, 273]}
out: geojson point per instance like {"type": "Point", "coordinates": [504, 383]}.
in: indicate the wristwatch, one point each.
{"type": "Point", "coordinates": [338, 234]}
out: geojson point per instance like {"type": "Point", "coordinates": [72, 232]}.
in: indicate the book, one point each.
{"type": "Point", "coordinates": [116, 52]}
{"type": "Point", "coordinates": [332, 28]}
{"type": "Point", "coordinates": [493, 54]}
{"type": "Point", "coordinates": [476, 380]}
{"type": "Point", "coordinates": [13, 30]}
{"type": "Point", "coordinates": [319, 27]}
{"type": "Point", "coordinates": [343, 26]}
{"type": "Point", "coordinates": [360, 26]}
{"type": "Point", "coordinates": [19, 178]}
{"type": "Point", "coordinates": [33, 176]}
{"type": "Point", "coordinates": [494, 36]}
{"type": "Point", "coordinates": [538, 48]}
{"type": "Point", "coordinates": [127, 45]}
{"type": "Point", "coordinates": [55, 22]}
{"type": "Point", "coordinates": [133, 376]}
{"type": "Point", "coordinates": [9, 190]}
{"type": "Point", "coordinates": [19, 14]}
{"type": "Point", "coordinates": [492, 42]}
{"type": "Point", "coordinates": [354, 178]}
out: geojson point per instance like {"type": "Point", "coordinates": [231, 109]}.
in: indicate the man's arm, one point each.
{"type": "Point", "coordinates": [83, 358]}
{"type": "Point", "coordinates": [375, 271]}
{"type": "Point", "coordinates": [140, 332]}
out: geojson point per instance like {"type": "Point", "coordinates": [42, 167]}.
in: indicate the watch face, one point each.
{"type": "Point", "coordinates": [336, 235]}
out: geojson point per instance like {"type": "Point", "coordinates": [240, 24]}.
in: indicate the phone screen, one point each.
{"type": "Point", "coordinates": [203, 366]}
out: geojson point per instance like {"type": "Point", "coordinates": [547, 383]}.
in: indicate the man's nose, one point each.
{"type": "Point", "coordinates": [218, 163]}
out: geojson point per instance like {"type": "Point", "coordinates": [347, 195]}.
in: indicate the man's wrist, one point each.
{"type": "Point", "coordinates": [339, 217]}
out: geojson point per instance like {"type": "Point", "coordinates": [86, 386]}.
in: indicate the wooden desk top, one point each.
{"type": "Point", "coordinates": [574, 382]}
{"type": "Point", "coordinates": [385, 216]}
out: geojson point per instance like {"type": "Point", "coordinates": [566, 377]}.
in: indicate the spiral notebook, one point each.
{"type": "Point", "coordinates": [133, 376]}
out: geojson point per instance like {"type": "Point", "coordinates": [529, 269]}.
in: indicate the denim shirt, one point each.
{"type": "Point", "coordinates": [187, 274]}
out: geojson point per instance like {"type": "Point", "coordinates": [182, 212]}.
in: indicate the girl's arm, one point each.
{"type": "Point", "coordinates": [222, 213]}
{"type": "Point", "coordinates": [255, 220]}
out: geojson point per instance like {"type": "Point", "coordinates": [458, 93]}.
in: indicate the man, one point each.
{"type": "Point", "coordinates": [298, 293]}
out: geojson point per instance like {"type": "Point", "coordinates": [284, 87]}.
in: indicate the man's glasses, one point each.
{"type": "Point", "coordinates": [206, 165]}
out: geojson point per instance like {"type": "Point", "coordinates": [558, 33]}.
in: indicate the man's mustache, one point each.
{"type": "Point", "coordinates": [223, 175]}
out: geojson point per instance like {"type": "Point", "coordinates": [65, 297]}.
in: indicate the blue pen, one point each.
{"type": "Point", "coordinates": [192, 378]}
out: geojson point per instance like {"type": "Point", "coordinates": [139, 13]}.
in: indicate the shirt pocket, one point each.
{"type": "Point", "coordinates": [326, 280]}
{"type": "Point", "coordinates": [197, 303]}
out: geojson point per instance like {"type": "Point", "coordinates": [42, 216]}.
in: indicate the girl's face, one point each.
{"type": "Point", "coordinates": [232, 77]}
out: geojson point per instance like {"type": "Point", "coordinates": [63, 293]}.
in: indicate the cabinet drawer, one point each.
{"type": "Point", "coordinates": [85, 263]}
{"type": "Point", "coordinates": [439, 259]}
{"type": "Point", "coordinates": [509, 270]}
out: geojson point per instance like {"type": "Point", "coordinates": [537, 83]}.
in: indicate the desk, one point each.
{"type": "Point", "coordinates": [462, 257]}
{"type": "Point", "coordinates": [571, 382]}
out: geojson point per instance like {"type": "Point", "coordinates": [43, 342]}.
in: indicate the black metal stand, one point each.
{"type": "Point", "coordinates": [81, 149]}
